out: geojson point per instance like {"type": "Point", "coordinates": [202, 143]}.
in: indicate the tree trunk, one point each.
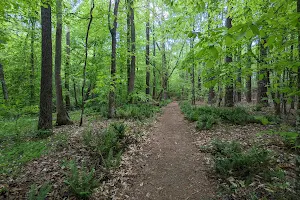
{"type": "Point", "coordinates": [128, 44]}
{"type": "Point", "coordinates": [148, 50]}
{"type": "Point", "coordinates": [249, 79]}
{"type": "Point", "coordinates": [113, 32]}
{"type": "Point", "coordinates": [262, 96]}
{"type": "Point", "coordinates": [45, 116]}
{"type": "Point", "coordinates": [75, 94]}
{"type": "Point", "coordinates": [67, 69]}
{"type": "Point", "coordinates": [2, 79]}
{"type": "Point", "coordinates": [154, 65]}
{"type": "Point", "coordinates": [133, 58]}
{"type": "Point", "coordinates": [164, 73]}
{"type": "Point", "coordinates": [193, 73]}
{"type": "Point", "coordinates": [32, 91]}
{"type": "Point", "coordinates": [62, 115]}
{"type": "Point", "coordinates": [229, 96]}
{"type": "Point", "coordinates": [85, 61]}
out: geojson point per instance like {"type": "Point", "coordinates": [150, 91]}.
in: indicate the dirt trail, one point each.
{"type": "Point", "coordinates": [174, 168]}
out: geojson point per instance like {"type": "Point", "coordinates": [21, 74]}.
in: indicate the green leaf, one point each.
{"type": "Point", "coordinates": [254, 29]}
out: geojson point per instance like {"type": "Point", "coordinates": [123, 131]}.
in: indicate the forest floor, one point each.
{"type": "Point", "coordinates": [165, 160]}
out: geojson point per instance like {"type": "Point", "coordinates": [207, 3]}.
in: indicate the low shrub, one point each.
{"type": "Point", "coordinates": [230, 160]}
{"type": "Point", "coordinates": [206, 122]}
{"type": "Point", "coordinates": [137, 111]}
{"type": "Point", "coordinates": [107, 144]}
{"type": "Point", "coordinates": [81, 182]}
{"type": "Point", "coordinates": [207, 116]}
{"type": "Point", "coordinates": [39, 194]}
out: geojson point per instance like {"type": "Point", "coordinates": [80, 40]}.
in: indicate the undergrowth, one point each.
{"type": "Point", "coordinates": [39, 194]}
{"type": "Point", "coordinates": [81, 181]}
{"type": "Point", "coordinates": [207, 116]}
{"type": "Point", "coordinates": [107, 144]}
{"type": "Point", "coordinates": [249, 174]}
{"type": "Point", "coordinates": [137, 111]}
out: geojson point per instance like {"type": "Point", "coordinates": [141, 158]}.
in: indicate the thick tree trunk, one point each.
{"type": "Point", "coordinates": [262, 96]}
{"type": "Point", "coordinates": [148, 50]}
{"type": "Point", "coordinates": [32, 67]}
{"type": "Point", "coordinates": [211, 95]}
{"type": "Point", "coordinates": [67, 69]}
{"type": "Point", "coordinates": [2, 80]}
{"type": "Point", "coordinates": [113, 32]}
{"type": "Point", "coordinates": [239, 86]}
{"type": "Point", "coordinates": [229, 96]}
{"type": "Point", "coordinates": [133, 57]}
{"type": "Point", "coordinates": [62, 116]}
{"type": "Point", "coordinates": [45, 116]}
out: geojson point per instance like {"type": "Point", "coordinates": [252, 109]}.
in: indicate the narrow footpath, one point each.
{"type": "Point", "coordinates": [174, 168]}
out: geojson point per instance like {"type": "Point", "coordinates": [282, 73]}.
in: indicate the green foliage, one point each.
{"type": "Point", "coordinates": [206, 122]}
{"type": "Point", "coordinates": [208, 116]}
{"type": "Point", "coordinates": [39, 194]}
{"type": "Point", "coordinates": [107, 144]}
{"type": "Point", "coordinates": [137, 111]}
{"type": "Point", "coordinates": [230, 160]}
{"type": "Point", "coordinates": [288, 137]}
{"type": "Point", "coordinates": [81, 181]}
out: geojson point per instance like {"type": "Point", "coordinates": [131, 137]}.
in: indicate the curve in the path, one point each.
{"type": "Point", "coordinates": [174, 169]}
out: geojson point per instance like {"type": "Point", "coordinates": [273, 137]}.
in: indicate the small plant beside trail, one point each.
{"type": "Point", "coordinates": [41, 193]}
{"type": "Point", "coordinates": [108, 144]}
{"type": "Point", "coordinates": [249, 174]}
{"type": "Point", "coordinates": [81, 181]}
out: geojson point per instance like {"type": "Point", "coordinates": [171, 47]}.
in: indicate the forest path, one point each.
{"type": "Point", "coordinates": [173, 168]}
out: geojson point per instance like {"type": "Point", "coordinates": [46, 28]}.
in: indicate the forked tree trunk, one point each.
{"type": "Point", "coordinates": [62, 115]}
{"type": "Point", "coordinates": [45, 115]}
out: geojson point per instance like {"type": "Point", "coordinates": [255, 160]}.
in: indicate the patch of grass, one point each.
{"type": "Point", "coordinates": [14, 155]}
{"type": "Point", "coordinates": [81, 181]}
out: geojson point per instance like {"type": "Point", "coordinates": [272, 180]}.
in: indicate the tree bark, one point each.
{"type": "Point", "coordinates": [2, 79]}
{"type": "Point", "coordinates": [193, 73]}
{"type": "Point", "coordinates": [154, 65]}
{"type": "Point", "coordinates": [62, 115]}
{"type": "Point", "coordinates": [75, 94]}
{"type": "Point", "coordinates": [229, 96]}
{"type": "Point", "coordinates": [113, 32]}
{"type": "Point", "coordinates": [128, 44]}
{"type": "Point", "coordinates": [67, 69]}
{"type": "Point", "coordinates": [133, 58]}
{"type": "Point", "coordinates": [249, 79]}
{"type": "Point", "coordinates": [262, 96]}
{"type": "Point", "coordinates": [45, 115]}
{"type": "Point", "coordinates": [85, 61]}
{"type": "Point", "coordinates": [165, 73]}
{"type": "Point", "coordinates": [148, 50]}
{"type": "Point", "coordinates": [32, 67]}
